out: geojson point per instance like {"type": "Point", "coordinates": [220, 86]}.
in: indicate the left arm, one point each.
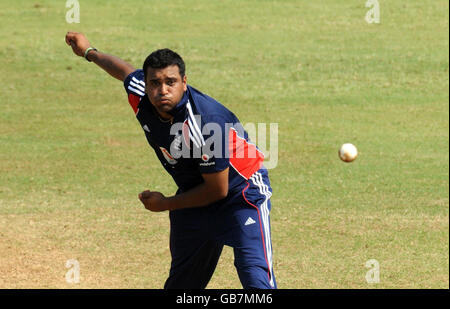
{"type": "Point", "coordinates": [113, 65]}
{"type": "Point", "coordinates": [214, 188]}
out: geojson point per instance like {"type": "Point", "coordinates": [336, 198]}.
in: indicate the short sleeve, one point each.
{"type": "Point", "coordinates": [135, 87]}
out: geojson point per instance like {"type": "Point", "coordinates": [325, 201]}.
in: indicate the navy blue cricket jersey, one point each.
{"type": "Point", "coordinates": [203, 137]}
{"type": "Point", "coordinates": [206, 137]}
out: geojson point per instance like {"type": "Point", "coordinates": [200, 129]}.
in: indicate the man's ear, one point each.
{"type": "Point", "coordinates": [185, 82]}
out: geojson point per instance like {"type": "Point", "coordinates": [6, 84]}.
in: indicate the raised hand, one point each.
{"type": "Point", "coordinates": [78, 42]}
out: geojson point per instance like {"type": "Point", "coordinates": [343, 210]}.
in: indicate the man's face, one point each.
{"type": "Point", "coordinates": [165, 88]}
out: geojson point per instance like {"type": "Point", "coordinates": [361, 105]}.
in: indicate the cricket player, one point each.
{"type": "Point", "coordinates": [223, 195]}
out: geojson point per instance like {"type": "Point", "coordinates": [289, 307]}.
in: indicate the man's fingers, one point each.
{"type": "Point", "coordinates": [69, 38]}
{"type": "Point", "coordinates": [145, 195]}
{"type": "Point", "coordinates": [72, 38]}
{"type": "Point", "coordinates": [153, 201]}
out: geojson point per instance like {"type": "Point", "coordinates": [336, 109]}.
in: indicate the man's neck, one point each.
{"type": "Point", "coordinates": [164, 115]}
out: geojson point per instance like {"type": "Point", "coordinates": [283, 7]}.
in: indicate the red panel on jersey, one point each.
{"type": "Point", "coordinates": [244, 156]}
{"type": "Point", "coordinates": [134, 102]}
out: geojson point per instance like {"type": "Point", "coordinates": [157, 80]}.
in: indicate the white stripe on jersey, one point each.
{"type": "Point", "coordinates": [138, 81]}
{"type": "Point", "coordinates": [140, 93]}
{"type": "Point", "coordinates": [192, 134]}
{"type": "Point", "coordinates": [193, 124]}
{"type": "Point", "coordinates": [193, 140]}
{"type": "Point", "coordinates": [137, 86]}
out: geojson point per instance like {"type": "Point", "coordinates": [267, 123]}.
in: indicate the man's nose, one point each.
{"type": "Point", "coordinates": [164, 89]}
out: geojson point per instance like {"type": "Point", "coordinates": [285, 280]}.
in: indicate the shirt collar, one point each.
{"type": "Point", "coordinates": [180, 106]}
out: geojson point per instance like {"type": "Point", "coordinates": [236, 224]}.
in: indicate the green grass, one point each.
{"type": "Point", "coordinates": [73, 158]}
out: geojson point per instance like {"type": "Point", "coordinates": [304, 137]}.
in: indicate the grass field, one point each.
{"type": "Point", "coordinates": [73, 158]}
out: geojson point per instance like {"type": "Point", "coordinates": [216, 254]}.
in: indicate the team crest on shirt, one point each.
{"type": "Point", "coordinates": [168, 156]}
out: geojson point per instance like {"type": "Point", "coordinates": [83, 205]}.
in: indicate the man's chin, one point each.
{"type": "Point", "coordinates": [164, 109]}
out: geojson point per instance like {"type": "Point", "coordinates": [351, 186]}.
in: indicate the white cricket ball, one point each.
{"type": "Point", "coordinates": [348, 152]}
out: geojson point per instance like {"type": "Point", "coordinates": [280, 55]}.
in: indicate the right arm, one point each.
{"type": "Point", "coordinates": [113, 65]}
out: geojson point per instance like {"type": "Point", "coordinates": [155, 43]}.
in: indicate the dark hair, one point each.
{"type": "Point", "coordinates": [162, 58]}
